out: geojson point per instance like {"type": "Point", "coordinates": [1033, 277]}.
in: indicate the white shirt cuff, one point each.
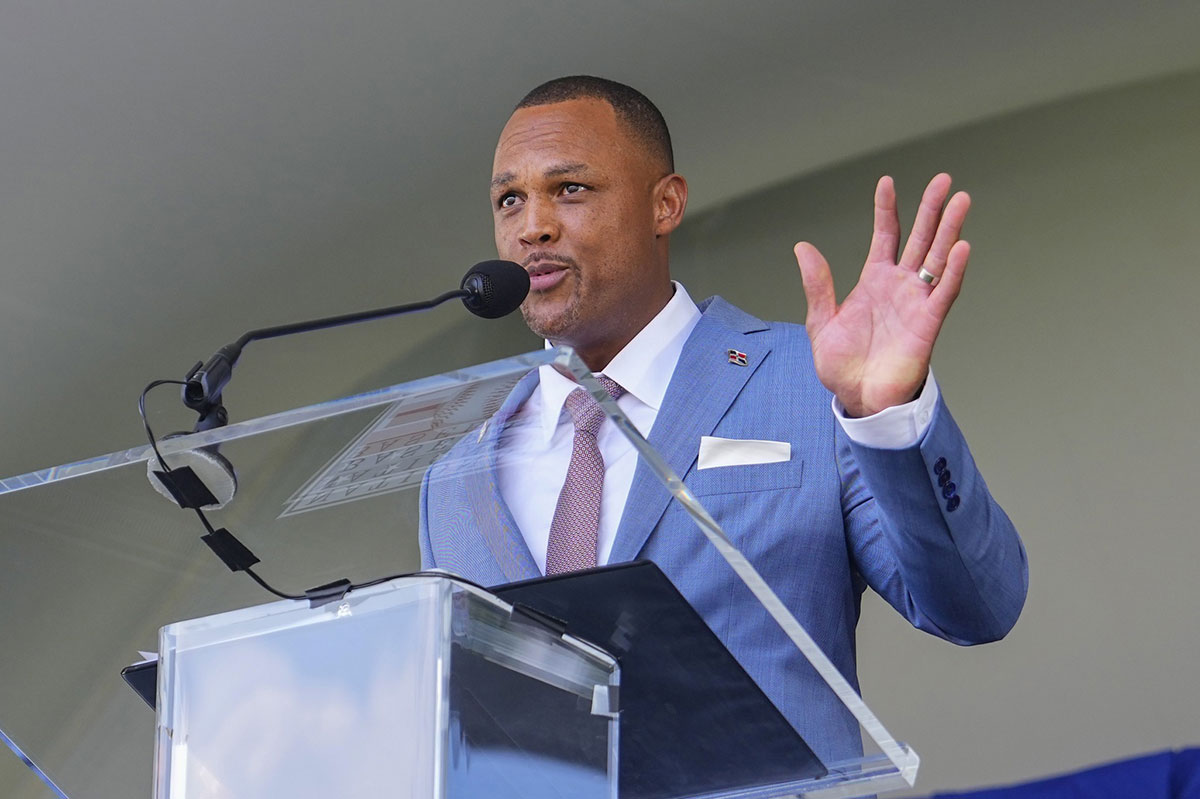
{"type": "Point", "coordinates": [897, 427]}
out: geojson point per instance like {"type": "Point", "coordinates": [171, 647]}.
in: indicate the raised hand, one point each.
{"type": "Point", "coordinates": [873, 350]}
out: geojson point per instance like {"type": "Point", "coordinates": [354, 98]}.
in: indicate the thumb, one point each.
{"type": "Point", "coordinates": [818, 286]}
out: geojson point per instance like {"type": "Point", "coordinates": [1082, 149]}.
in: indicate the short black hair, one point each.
{"type": "Point", "coordinates": [634, 108]}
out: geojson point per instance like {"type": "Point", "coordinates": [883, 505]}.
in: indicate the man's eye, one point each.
{"type": "Point", "coordinates": [507, 200]}
{"type": "Point", "coordinates": [573, 188]}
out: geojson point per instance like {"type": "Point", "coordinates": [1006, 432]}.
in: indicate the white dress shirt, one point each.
{"type": "Point", "coordinates": [538, 439]}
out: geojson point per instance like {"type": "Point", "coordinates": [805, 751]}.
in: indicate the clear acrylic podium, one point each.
{"type": "Point", "coordinates": [97, 564]}
{"type": "Point", "coordinates": [401, 689]}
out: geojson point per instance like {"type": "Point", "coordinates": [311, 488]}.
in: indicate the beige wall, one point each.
{"type": "Point", "coordinates": [1070, 360]}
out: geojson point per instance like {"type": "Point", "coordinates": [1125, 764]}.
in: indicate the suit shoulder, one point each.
{"type": "Point", "coordinates": [782, 335]}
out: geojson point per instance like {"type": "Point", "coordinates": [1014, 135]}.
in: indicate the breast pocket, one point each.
{"type": "Point", "coordinates": [746, 478]}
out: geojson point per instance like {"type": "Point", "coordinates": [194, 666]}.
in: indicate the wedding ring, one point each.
{"type": "Point", "coordinates": [927, 276]}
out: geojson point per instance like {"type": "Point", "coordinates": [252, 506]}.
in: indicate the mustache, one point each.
{"type": "Point", "coordinates": [545, 256]}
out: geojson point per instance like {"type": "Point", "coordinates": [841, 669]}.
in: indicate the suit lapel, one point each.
{"type": "Point", "coordinates": [703, 386]}
{"type": "Point", "coordinates": [492, 516]}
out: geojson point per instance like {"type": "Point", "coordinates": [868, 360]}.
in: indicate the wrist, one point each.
{"type": "Point", "coordinates": [858, 410]}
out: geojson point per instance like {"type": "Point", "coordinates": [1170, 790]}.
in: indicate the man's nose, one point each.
{"type": "Point", "coordinates": [540, 223]}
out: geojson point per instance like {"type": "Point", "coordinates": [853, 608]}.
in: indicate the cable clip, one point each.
{"type": "Point", "coordinates": [330, 592]}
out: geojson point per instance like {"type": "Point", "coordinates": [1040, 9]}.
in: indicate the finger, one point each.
{"type": "Point", "coordinates": [948, 232]}
{"type": "Point", "coordinates": [818, 286]}
{"type": "Point", "coordinates": [926, 223]}
{"type": "Point", "coordinates": [885, 241]}
{"type": "Point", "coordinates": [946, 291]}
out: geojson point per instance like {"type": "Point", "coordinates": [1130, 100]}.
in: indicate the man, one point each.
{"type": "Point", "coordinates": [879, 491]}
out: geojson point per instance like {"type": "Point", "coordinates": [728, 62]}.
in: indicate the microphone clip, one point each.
{"type": "Point", "coordinates": [212, 413]}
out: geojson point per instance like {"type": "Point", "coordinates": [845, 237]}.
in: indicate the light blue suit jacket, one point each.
{"type": "Point", "coordinates": [820, 528]}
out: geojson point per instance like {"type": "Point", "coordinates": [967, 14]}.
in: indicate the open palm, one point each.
{"type": "Point", "coordinates": [873, 350]}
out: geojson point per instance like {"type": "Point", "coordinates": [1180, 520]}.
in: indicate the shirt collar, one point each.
{"type": "Point", "coordinates": [643, 367]}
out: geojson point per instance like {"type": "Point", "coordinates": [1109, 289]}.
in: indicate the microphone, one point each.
{"type": "Point", "coordinates": [490, 289]}
{"type": "Point", "coordinates": [497, 288]}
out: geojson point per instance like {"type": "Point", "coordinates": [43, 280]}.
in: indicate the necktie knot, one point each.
{"type": "Point", "coordinates": [586, 413]}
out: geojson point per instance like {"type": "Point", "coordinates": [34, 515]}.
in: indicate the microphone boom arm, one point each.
{"type": "Point", "coordinates": [204, 383]}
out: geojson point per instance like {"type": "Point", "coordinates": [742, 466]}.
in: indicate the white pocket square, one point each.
{"type": "Point", "coordinates": [741, 452]}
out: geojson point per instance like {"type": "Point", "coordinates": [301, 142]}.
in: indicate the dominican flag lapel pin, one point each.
{"type": "Point", "coordinates": [738, 358]}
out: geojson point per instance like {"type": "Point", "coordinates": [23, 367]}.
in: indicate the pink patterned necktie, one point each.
{"type": "Point", "coordinates": [576, 522]}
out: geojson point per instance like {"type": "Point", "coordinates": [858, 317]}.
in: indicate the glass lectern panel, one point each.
{"type": "Point", "coordinates": [98, 560]}
{"type": "Point", "coordinates": [402, 689]}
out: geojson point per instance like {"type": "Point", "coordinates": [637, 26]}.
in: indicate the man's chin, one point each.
{"type": "Point", "coordinates": [554, 324]}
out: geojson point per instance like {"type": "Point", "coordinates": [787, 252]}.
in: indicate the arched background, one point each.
{"type": "Point", "coordinates": [172, 174]}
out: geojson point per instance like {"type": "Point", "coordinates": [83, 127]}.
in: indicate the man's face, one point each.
{"type": "Point", "coordinates": [573, 199]}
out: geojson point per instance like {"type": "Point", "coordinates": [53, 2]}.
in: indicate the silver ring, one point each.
{"type": "Point", "coordinates": [927, 276]}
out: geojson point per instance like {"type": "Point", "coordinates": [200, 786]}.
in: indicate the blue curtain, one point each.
{"type": "Point", "coordinates": [1165, 775]}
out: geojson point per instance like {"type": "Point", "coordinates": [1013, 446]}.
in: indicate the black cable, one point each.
{"type": "Point", "coordinates": [146, 423]}
{"type": "Point", "coordinates": [163, 463]}
{"type": "Point", "coordinates": [380, 580]}
{"type": "Point", "coordinates": [253, 576]}
{"type": "Point", "coordinates": [248, 570]}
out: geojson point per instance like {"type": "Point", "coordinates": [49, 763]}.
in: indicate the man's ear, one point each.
{"type": "Point", "coordinates": [670, 200]}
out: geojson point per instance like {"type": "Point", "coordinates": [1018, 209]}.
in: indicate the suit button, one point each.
{"type": "Point", "coordinates": [944, 477]}
{"type": "Point", "coordinates": [952, 503]}
{"type": "Point", "coordinates": [939, 465]}
{"type": "Point", "coordinates": [948, 490]}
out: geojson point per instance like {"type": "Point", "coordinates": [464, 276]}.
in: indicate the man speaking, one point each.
{"type": "Point", "coordinates": [828, 456]}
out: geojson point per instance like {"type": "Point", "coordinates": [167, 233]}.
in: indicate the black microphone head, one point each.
{"type": "Point", "coordinates": [497, 288]}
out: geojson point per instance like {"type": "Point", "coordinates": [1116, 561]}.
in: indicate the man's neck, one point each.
{"type": "Point", "coordinates": [599, 354]}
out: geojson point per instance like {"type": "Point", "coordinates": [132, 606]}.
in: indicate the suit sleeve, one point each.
{"type": "Point", "coordinates": [926, 534]}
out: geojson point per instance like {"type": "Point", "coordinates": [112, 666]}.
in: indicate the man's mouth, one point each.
{"type": "Point", "coordinates": [545, 275]}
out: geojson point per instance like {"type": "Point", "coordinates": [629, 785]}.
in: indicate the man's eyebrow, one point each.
{"type": "Point", "coordinates": [565, 169]}
{"type": "Point", "coordinates": [555, 171]}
